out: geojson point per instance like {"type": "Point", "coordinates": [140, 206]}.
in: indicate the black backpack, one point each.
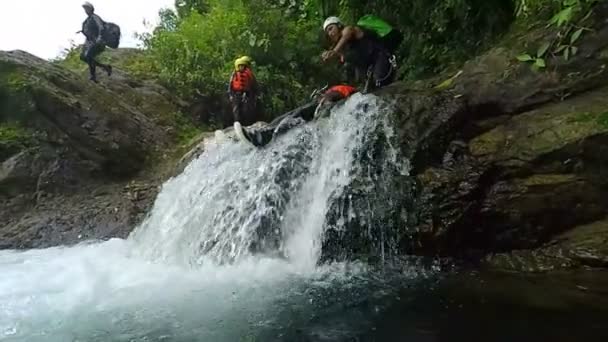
{"type": "Point", "coordinates": [111, 35]}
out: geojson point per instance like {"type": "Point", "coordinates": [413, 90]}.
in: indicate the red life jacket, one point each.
{"type": "Point", "coordinates": [344, 90]}
{"type": "Point", "coordinates": [242, 80]}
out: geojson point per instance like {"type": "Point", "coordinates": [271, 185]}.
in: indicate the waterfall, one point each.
{"type": "Point", "coordinates": [245, 244]}
{"type": "Point", "coordinates": [235, 201]}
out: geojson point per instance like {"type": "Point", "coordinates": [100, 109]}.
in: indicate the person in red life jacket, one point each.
{"type": "Point", "coordinates": [242, 91]}
{"type": "Point", "coordinates": [337, 93]}
{"type": "Point", "coordinates": [321, 102]}
{"type": "Point", "coordinates": [362, 50]}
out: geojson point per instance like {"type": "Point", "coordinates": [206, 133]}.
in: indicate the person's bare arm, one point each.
{"type": "Point", "coordinates": [349, 33]}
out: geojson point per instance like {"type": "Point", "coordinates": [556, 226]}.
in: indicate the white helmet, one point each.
{"type": "Point", "coordinates": [89, 5]}
{"type": "Point", "coordinates": [331, 21]}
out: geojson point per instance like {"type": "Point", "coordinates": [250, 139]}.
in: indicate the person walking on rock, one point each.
{"type": "Point", "coordinates": [93, 29]}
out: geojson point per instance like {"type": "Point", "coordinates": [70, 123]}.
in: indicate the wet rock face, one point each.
{"type": "Point", "coordinates": [364, 221]}
{"type": "Point", "coordinates": [511, 162]}
{"type": "Point", "coordinates": [68, 148]}
{"type": "Point", "coordinates": [519, 185]}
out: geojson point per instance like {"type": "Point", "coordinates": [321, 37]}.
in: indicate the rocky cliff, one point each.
{"type": "Point", "coordinates": [73, 153]}
{"type": "Point", "coordinates": [511, 162]}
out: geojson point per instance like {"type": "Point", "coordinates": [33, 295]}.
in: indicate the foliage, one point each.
{"type": "Point", "coordinates": [13, 138]}
{"type": "Point", "coordinates": [600, 119]}
{"type": "Point", "coordinates": [11, 131]}
{"type": "Point", "coordinates": [69, 58]}
{"type": "Point", "coordinates": [437, 32]}
{"type": "Point", "coordinates": [185, 7]}
{"type": "Point", "coordinates": [198, 55]}
{"type": "Point", "coordinates": [185, 130]}
{"type": "Point", "coordinates": [538, 61]}
{"type": "Point", "coordinates": [193, 48]}
{"type": "Point", "coordinates": [568, 16]}
{"type": "Point", "coordinates": [536, 8]}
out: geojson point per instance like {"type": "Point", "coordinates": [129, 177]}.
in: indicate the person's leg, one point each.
{"type": "Point", "coordinates": [85, 56]}
{"type": "Point", "coordinates": [383, 72]}
{"type": "Point", "coordinates": [249, 111]}
{"type": "Point", "coordinates": [235, 102]}
{"type": "Point", "coordinates": [281, 124]}
{"type": "Point", "coordinates": [96, 51]}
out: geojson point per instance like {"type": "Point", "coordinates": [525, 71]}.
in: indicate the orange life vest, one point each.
{"type": "Point", "coordinates": [242, 80]}
{"type": "Point", "coordinates": [344, 90]}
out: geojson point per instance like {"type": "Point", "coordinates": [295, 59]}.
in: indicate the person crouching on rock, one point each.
{"type": "Point", "coordinates": [242, 91]}
{"type": "Point", "coordinates": [361, 49]}
{"type": "Point", "coordinates": [93, 28]}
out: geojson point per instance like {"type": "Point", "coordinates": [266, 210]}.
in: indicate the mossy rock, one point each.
{"type": "Point", "coordinates": [13, 139]}
{"type": "Point", "coordinates": [585, 245]}
{"type": "Point", "coordinates": [539, 132]}
{"type": "Point", "coordinates": [111, 123]}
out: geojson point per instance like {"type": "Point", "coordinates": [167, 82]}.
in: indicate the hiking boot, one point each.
{"type": "Point", "coordinates": [93, 79]}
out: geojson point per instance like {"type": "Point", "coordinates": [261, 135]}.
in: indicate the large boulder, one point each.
{"type": "Point", "coordinates": [508, 159]}
{"type": "Point", "coordinates": [68, 148]}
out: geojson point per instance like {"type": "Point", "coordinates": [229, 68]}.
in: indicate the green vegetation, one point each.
{"type": "Point", "coordinates": [184, 127]}
{"type": "Point", "coordinates": [193, 48]}
{"type": "Point", "coordinates": [600, 119]}
{"type": "Point", "coordinates": [568, 19]}
{"type": "Point", "coordinates": [11, 131]}
{"type": "Point", "coordinates": [13, 138]}
{"type": "Point", "coordinates": [195, 53]}
{"type": "Point", "coordinates": [15, 102]}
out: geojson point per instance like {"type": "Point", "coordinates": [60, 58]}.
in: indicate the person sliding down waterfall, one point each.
{"type": "Point", "coordinates": [322, 100]}
{"type": "Point", "coordinates": [367, 47]}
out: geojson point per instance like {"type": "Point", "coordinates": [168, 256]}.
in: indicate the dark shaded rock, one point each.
{"type": "Point", "coordinates": [580, 246]}
{"type": "Point", "coordinates": [508, 159]}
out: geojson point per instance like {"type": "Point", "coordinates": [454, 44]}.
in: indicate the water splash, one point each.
{"type": "Point", "coordinates": [235, 201]}
{"type": "Point", "coordinates": [341, 138]}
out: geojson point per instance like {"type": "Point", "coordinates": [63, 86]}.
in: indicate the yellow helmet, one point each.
{"type": "Point", "coordinates": [244, 60]}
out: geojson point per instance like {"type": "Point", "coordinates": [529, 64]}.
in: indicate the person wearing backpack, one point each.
{"type": "Point", "coordinates": [362, 49]}
{"type": "Point", "coordinates": [389, 36]}
{"type": "Point", "coordinates": [93, 29]}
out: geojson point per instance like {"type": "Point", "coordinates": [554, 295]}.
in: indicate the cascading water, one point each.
{"type": "Point", "coordinates": [230, 250]}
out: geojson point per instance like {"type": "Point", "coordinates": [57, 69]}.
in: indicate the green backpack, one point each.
{"type": "Point", "coordinates": [375, 24]}
{"type": "Point", "coordinates": [390, 37]}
